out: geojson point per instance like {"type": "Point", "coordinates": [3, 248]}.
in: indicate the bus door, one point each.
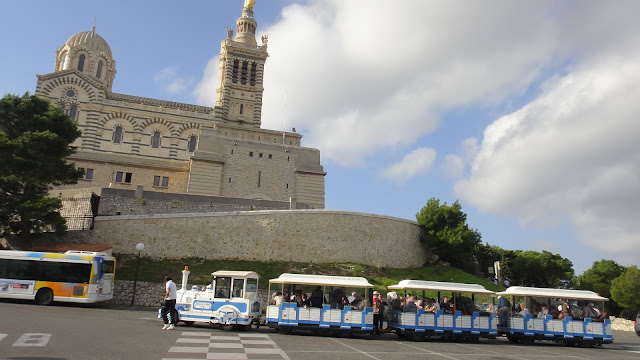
{"type": "Point", "coordinates": [106, 272]}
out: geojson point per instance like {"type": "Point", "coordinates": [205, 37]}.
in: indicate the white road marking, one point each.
{"type": "Point", "coordinates": [33, 339]}
{"type": "Point", "coordinates": [2, 336]}
{"type": "Point", "coordinates": [193, 341]}
{"type": "Point", "coordinates": [425, 350]}
{"type": "Point", "coordinates": [355, 349]}
{"type": "Point", "coordinates": [189, 349]}
{"type": "Point", "coordinates": [227, 356]}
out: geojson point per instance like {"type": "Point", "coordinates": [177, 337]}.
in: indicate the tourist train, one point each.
{"type": "Point", "coordinates": [412, 309]}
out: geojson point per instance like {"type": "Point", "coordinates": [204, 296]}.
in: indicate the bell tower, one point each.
{"type": "Point", "coordinates": [240, 72]}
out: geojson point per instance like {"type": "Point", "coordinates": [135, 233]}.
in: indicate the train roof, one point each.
{"type": "Point", "coordinates": [553, 293]}
{"type": "Point", "coordinates": [232, 273]}
{"type": "Point", "coordinates": [326, 280]}
{"type": "Point", "coordinates": [440, 286]}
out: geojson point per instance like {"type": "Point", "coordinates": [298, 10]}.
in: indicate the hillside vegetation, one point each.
{"type": "Point", "coordinates": [154, 270]}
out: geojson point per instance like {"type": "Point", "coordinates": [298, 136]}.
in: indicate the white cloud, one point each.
{"type": "Point", "coordinates": [363, 77]}
{"type": "Point", "coordinates": [414, 163]}
{"type": "Point", "coordinates": [205, 91]}
{"type": "Point", "coordinates": [453, 166]}
{"type": "Point", "coordinates": [570, 153]}
{"type": "Point", "coordinates": [171, 81]}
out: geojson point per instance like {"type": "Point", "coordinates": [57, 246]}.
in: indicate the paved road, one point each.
{"type": "Point", "coordinates": [78, 332]}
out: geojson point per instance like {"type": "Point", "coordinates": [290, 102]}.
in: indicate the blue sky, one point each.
{"type": "Point", "coordinates": [524, 111]}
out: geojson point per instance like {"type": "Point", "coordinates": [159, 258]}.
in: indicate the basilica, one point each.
{"type": "Point", "coordinates": [174, 147]}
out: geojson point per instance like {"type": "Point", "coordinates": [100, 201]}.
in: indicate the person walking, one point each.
{"type": "Point", "coordinates": [170, 297]}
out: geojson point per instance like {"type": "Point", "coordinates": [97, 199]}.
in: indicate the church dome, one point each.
{"type": "Point", "coordinates": [91, 41]}
{"type": "Point", "coordinates": [90, 54]}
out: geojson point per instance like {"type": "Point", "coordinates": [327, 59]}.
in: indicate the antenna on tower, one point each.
{"type": "Point", "coordinates": [284, 120]}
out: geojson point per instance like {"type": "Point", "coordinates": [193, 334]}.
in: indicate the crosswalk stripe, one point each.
{"type": "Point", "coordinates": [189, 349]}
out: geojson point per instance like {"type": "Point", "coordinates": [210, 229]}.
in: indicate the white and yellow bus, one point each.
{"type": "Point", "coordinates": [75, 276]}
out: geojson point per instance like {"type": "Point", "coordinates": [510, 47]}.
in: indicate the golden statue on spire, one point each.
{"type": "Point", "coordinates": [248, 4]}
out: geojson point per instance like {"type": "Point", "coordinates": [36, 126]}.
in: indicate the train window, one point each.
{"type": "Point", "coordinates": [222, 287]}
{"type": "Point", "coordinates": [238, 285]}
{"type": "Point", "coordinates": [252, 285]}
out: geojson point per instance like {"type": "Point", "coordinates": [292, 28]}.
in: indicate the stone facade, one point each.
{"type": "Point", "coordinates": [314, 236]}
{"type": "Point", "coordinates": [131, 202]}
{"type": "Point", "coordinates": [182, 148]}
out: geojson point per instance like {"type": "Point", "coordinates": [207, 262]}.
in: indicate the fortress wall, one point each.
{"type": "Point", "coordinates": [319, 236]}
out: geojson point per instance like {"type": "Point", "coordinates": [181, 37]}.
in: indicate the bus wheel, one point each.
{"type": "Point", "coordinates": [44, 296]}
{"type": "Point", "coordinates": [188, 323]}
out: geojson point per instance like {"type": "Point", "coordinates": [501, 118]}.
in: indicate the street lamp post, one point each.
{"type": "Point", "coordinates": [139, 247]}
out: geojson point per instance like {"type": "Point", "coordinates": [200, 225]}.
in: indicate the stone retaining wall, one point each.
{"type": "Point", "coordinates": [314, 236]}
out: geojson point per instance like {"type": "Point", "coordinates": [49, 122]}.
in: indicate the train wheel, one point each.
{"type": "Point", "coordinates": [188, 323]}
{"type": "Point", "coordinates": [283, 331]}
{"type": "Point", "coordinates": [227, 327]}
{"type": "Point", "coordinates": [44, 296]}
{"type": "Point", "coordinates": [528, 341]}
{"type": "Point", "coordinates": [512, 339]}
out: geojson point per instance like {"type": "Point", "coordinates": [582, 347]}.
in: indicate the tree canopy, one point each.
{"type": "Point", "coordinates": [539, 269]}
{"type": "Point", "coordinates": [598, 278]}
{"type": "Point", "coordinates": [626, 288]}
{"type": "Point", "coordinates": [448, 234]}
{"type": "Point", "coordinates": [35, 139]}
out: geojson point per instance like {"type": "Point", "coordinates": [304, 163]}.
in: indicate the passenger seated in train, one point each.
{"type": "Point", "coordinates": [524, 310]}
{"type": "Point", "coordinates": [296, 297]}
{"type": "Point", "coordinates": [338, 298]}
{"type": "Point", "coordinates": [277, 298]}
{"type": "Point", "coordinates": [564, 311]}
{"type": "Point", "coordinates": [446, 306]}
{"type": "Point", "coordinates": [316, 297]}
{"type": "Point", "coordinates": [432, 306]}
{"type": "Point", "coordinates": [305, 301]}
{"type": "Point", "coordinates": [543, 312]}
{"type": "Point", "coordinates": [394, 300]}
{"type": "Point", "coordinates": [596, 314]}
{"type": "Point", "coordinates": [358, 302]}
{"type": "Point", "coordinates": [410, 304]}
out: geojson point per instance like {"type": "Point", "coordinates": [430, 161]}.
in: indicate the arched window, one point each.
{"type": "Point", "coordinates": [81, 62]}
{"type": "Point", "coordinates": [99, 72]}
{"type": "Point", "coordinates": [252, 79]}
{"type": "Point", "coordinates": [192, 143]}
{"type": "Point", "coordinates": [117, 135]}
{"type": "Point", "coordinates": [241, 108]}
{"type": "Point", "coordinates": [73, 111]}
{"type": "Point", "coordinates": [234, 73]}
{"type": "Point", "coordinates": [155, 140]}
{"type": "Point", "coordinates": [243, 74]}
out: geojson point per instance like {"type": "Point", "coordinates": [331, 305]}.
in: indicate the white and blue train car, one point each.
{"type": "Point", "coordinates": [320, 303]}
{"type": "Point", "coordinates": [231, 300]}
{"type": "Point", "coordinates": [569, 316]}
{"type": "Point", "coordinates": [466, 311]}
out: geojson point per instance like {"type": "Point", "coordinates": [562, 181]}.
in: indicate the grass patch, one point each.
{"type": "Point", "coordinates": [154, 270]}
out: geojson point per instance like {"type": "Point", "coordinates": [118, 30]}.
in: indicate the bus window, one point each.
{"type": "Point", "coordinates": [238, 284]}
{"type": "Point", "coordinates": [108, 266]}
{"type": "Point", "coordinates": [20, 269]}
{"type": "Point", "coordinates": [222, 287]}
{"type": "Point", "coordinates": [63, 272]}
{"type": "Point", "coordinates": [252, 285]}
